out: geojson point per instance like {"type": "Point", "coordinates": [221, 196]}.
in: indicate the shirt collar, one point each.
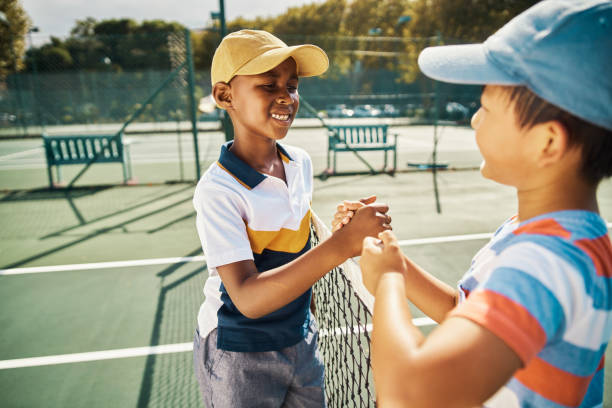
{"type": "Point", "coordinates": [245, 174]}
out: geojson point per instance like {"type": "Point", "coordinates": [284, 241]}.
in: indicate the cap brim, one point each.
{"type": "Point", "coordinates": [462, 64]}
{"type": "Point", "coordinates": [310, 60]}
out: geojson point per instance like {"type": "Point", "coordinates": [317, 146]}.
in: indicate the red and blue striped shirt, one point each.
{"type": "Point", "coordinates": [544, 286]}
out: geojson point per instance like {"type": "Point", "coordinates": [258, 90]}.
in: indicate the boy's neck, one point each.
{"type": "Point", "coordinates": [558, 195]}
{"type": "Point", "coordinates": [261, 155]}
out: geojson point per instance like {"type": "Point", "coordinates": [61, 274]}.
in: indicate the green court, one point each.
{"type": "Point", "coordinates": [103, 283]}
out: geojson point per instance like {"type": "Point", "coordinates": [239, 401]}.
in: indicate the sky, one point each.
{"type": "Point", "coordinates": [57, 17]}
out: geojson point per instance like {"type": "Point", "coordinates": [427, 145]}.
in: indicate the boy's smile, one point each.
{"type": "Point", "coordinates": [265, 105]}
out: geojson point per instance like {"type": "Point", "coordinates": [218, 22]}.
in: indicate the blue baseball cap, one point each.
{"type": "Point", "coordinates": [560, 49]}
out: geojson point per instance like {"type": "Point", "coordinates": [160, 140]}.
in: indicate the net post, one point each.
{"type": "Point", "coordinates": [434, 155]}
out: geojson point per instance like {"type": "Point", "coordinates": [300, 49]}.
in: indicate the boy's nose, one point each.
{"type": "Point", "coordinates": [476, 119]}
{"type": "Point", "coordinates": [283, 100]}
{"type": "Point", "coordinates": [284, 97]}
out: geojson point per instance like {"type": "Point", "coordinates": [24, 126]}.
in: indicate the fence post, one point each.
{"type": "Point", "coordinates": [192, 102]}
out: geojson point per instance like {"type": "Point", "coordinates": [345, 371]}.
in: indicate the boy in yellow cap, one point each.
{"type": "Point", "coordinates": [255, 344]}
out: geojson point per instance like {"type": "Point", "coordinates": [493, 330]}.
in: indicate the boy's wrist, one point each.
{"type": "Point", "coordinates": [391, 278]}
{"type": "Point", "coordinates": [341, 244]}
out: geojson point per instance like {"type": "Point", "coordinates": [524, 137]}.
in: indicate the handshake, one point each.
{"type": "Point", "coordinates": [378, 246]}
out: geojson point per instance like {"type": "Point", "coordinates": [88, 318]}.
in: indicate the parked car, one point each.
{"type": "Point", "coordinates": [207, 108]}
{"type": "Point", "coordinates": [456, 111]}
{"type": "Point", "coordinates": [7, 118]}
{"type": "Point", "coordinates": [339, 111]}
{"type": "Point", "coordinates": [366, 111]}
{"type": "Point", "coordinates": [390, 111]}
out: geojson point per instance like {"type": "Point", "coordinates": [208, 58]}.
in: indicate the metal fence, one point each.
{"type": "Point", "coordinates": [153, 97]}
{"type": "Point", "coordinates": [72, 90]}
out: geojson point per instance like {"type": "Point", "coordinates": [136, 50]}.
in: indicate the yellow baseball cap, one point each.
{"type": "Point", "coordinates": [252, 52]}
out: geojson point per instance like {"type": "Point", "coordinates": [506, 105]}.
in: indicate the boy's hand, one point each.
{"type": "Point", "coordinates": [380, 256]}
{"type": "Point", "coordinates": [368, 221]}
{"type": "Point", "coordinates": [346, 210]}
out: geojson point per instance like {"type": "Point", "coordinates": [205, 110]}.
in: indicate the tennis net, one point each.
{"type": "Point", "coordinates": [344, 314]}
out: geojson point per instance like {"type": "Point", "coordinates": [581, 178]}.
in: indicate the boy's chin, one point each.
{"type": "Point", "coordinates": [280, 135]}
{"type": "Point", "coordinates": [486, 173]}
{"type": "Point", "coordinates": [489, 175]}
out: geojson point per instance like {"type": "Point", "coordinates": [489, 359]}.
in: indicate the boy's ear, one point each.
{"type": "Point", "coordinates": [553, 142]}
{"type": "Point", "coordinates": [222, 92]}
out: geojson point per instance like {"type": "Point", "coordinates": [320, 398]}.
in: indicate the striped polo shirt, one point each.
{"type": "Point", "coordinates": [242, 214]}
{"type": "Point", "coordinates": [544, 286]}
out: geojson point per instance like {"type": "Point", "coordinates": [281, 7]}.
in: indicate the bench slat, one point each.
{"type": "Point", "coordinates": [344, 138]}
{"type": "Point", "coordinates": [81, 149]}
{"type": "Point", "coordinates": [359, 134]}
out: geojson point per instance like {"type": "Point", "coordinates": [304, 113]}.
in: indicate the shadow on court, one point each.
{"type": "Point", "coordinates": [101, 224]}
{"type": "Point", "coordinates": [168, 378]}
{"type": "Point", "coordinates": [110, 215]}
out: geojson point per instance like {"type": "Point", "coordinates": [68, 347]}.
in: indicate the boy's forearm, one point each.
{"type": "Point", "coordinates": [263, 293]}
{"type": "Point", "coordinates": [394, 340]}
{"type": "Point", "coordinates": [432, 296]}
{"type": "Point", "coordinates": [412, 371]}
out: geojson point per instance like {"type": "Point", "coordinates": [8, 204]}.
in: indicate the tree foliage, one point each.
{"type": "Point", "coordinates": [355, 33]}
{"type": "Point", "coordinates": [367, 33]}
{"type": "Point", "coordinates": [13, 30]}
{"type": "Point", "coordinates": [463, 20]}
{"type": "Point", "coordinates": [114, 44]}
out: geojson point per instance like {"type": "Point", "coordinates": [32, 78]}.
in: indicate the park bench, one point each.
{"type": "Point", "coordinates": [82, 149]}
{"type": "Point", "coordinates": [356, 138]}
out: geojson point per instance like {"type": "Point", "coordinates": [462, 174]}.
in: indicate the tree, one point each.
{"type": "Point", "coordinates": [84, 28]}
{"type": "Point", "coordinates": [437, 22]}
{"type": "Point", "coordinates": [57, 57]}
{"type": "Point", "coordinates": [117, 44]}
{"type": "Point", "coordinates": [312, 19]}
{"type": "Point", "coordinates": [13, 29]}
{"type": "Point", "coordinates": [461, 20]}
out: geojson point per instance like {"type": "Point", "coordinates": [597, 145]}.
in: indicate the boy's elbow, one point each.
{"type": "Point", "coordinates": [252, 314]}
{"type": "Point", "coordinates": [250, 310]}
{"type": "Point", "coordinates": [247, 301]}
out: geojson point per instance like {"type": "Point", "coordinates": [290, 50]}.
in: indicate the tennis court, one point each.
{"type": "Point", "coordinates": [100, 286]}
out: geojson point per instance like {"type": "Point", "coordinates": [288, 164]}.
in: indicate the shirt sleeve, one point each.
{"type": "Point", "coordinates": [519, 301]}
{"type": "Point", "coordinates": [221, 228]}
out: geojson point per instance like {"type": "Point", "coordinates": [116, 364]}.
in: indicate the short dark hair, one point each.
{"type": "Point", "coordinates": [595, 141]}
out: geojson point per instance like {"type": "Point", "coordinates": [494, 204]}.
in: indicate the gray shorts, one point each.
{"type": "Point", "coordinates": [291, 377]}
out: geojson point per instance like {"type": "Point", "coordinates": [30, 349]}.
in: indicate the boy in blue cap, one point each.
{"type": "Point", "coordinates": [256, 342]}
{"type": "Point", "coordinates": [530, 320]}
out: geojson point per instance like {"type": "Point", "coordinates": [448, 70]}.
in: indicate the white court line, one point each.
{"type": "Point", "coordinates": [95, 356]}
{"type": "Point", "coordinates": [101, 265]}
{"type": "Point", "coordinates": [181, 347]}
{"type": "Point", "coordinates": [200, 258]}
{"type": "Point", "coordinates": [19, 154]}
{"type": "Point", "coordinates": [146, 351]}
{"type": "Point", "coordinates": [450, 238]}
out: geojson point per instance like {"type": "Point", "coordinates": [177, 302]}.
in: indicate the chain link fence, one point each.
{"type": "Point", "coordinates": [142, 85]}
{"type": "Point", "coordinates": [145, 84]}
{"type": "Point", "coordinates": [378, 77]}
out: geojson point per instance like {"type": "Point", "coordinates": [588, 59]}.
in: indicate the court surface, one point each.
{"type": "Point", "coordinates": [100, 287]}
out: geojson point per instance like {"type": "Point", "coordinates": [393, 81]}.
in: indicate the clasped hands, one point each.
{"type": "Point", "coordinates": [379, 255]}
